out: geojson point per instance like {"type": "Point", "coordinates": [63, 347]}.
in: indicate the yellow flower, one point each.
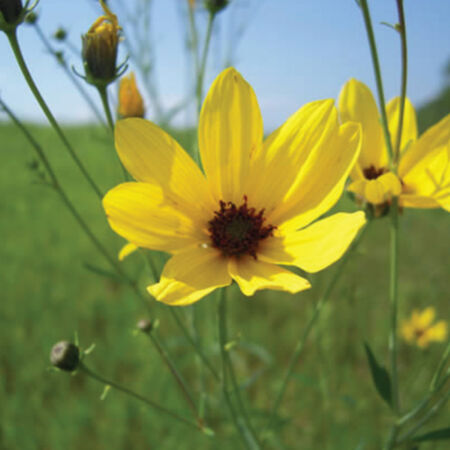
{"type": "Point", "coordinates": [419, 329]}
{"type": "Point", "coordinates": [252, 208]}
{"type": "Point", "coordinates": [130, 99]}
{"type": "Point", "coordinates": [100, 47]}
{"type": "Point", "coordinates": [423, 179]}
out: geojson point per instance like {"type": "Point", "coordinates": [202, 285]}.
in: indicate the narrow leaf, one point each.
{"type": "Point", "coordinates": [380, 376]}
{"type": "Point", "coordinates": [436, 435]}
{"type": "Point", "coordinates": [103, 272]}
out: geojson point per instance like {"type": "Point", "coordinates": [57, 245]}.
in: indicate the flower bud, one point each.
{"type": "Point", "coordinates": [65, 356]}
{"type": "Point", "coordinates": [99, 50]}
{"type": "Point", "coordinates": [31, 18]}
{"type": "Point", "coordinates": [11, 10]}
{"type": "Point", "coordinates": [145, 325]}
{"type": "Point", "coordinates": [215, 6]}
{"type": "Point", "coordinates": [130, 99]}
{"type": "Point", "coordinates": [60, 34]}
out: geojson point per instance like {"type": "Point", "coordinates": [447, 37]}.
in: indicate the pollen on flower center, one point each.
{"type": "Point", "coordinates": [372, 172]}
{"type": "Point", "coordinates": [236, 230]}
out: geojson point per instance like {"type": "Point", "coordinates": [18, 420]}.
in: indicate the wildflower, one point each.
{"type": "Point", "coordinates": [130, 99]}
{"type": "Point", "coordinates": [11, 10]}
{"type": "Point", "coordinates": [250, 212]}
{"type": "Point", "coordinates": [423, 176]}
{"type": "Point", "coordinates": [65, 356]}
{"type": "Point", "coordinates": [100, 48]}
{"type": "Point", "coordinates": [419, 329]}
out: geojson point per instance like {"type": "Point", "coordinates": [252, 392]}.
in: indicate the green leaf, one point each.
{"type": "Point", "coordinates": [380, 376]}
{"type": "Point", "coordinates": [436, 435]}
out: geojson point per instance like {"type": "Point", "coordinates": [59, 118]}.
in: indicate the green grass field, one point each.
{"type": "Point", "coordinates": [48, 294]}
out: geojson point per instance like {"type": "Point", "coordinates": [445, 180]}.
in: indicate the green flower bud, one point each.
{"type": "Point", "coordinates": [60, 34]}
{"type": "Point", "coordinates": [215, 6]}
{"type": "Point", "coordinates": [145, 325]}
{"type": "Point", "coordinates": [65, 356]}
{"type": "Point", "coordinates": [31, 18]}
{"type": "Point", "coordinates": [11, 10]}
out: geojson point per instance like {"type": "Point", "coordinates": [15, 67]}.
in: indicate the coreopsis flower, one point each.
{"type": "Point", "coordinates": [100, 48]}
{"type": "Point", "coordinates": [420, 330]}
{"type": "Point", "coordinates": [252, 208]}
{"type": "Point", "coordinates": [423, 175]}
{"type": "Point", "coordinates": [130, 99]}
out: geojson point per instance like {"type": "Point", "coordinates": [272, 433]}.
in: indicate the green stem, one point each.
{"type": "Point", "coordinates": [12, 37]}
{"type": "Point", "coordinates": [69, 73]}
{"type": "Point", "coordinates": [176, 374]}
{"type": "Point", "coordinates": [223, 339]}
{"type": "Point", "coordinates": [432, 412]}
{"type": "Point", "coordinates": [137, 396]}
{"type": "Point", "coordinates": [194, 40]}
{"type": "Point", "coordinates": [302, 341]}
{"type": "Point", "coordinates": [440, 368]}
{"type": "Point", "coordinates": [404, 51]}
{"type": "Point", "coordinates": [377, 70]}
{"type": "Point", "coordinates": [192, 341]}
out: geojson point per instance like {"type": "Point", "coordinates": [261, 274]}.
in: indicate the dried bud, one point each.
{"type": "Point", "coordinates": [100, 48]}
{"type": "Point", "coordinates": [60, 34]}
{"type": "Point", "coordinates": [31, 18]}
{"type": "Point", "coordinates": [65, 356]}
{"type": "Point", "coordinates": [11, 10]}
{"type": "Point", "coordinates": [130, 99]}
{"type": "Point", "coordinates": [145, 325]}
{"type": "Point", "coordinates": [215, 6]}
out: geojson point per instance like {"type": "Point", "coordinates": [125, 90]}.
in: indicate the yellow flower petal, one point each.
{"type": "Point", "coordinates": [142, 215]}
{"type": "Point", "coordinates": [382, 188]}
{"type": "Point", "coordinates": [438, 332]}
{"type": "Point", "coordinates": [409, 128]}
{"type": "Point", "coordinates": [126, 250]}
{"type": "Point", "coordinates": [417, 201]}
{"type": "Point", "coordinates": [317, 246]}
{"type": "Point", "coordinates": [357, 104]}
{"type": "Point", "coordinates": [436, 136]}
{"type": "Point", "coordinates": [358, 187]}
{"type": "Point", "coordinates": [276, 166]}
{"type": "Point", "coordinates": [321, 180]}
{"type": "Point", "coordinates": [425, 318]}
{"type": "Point", "coordinates": [230, 129]}
{"type": "Point", "coordinates": [151, 155]}
{"type": "Point", "coordinates": [252, 275]}
{"type": "Point", "coordinates": [190, 275]}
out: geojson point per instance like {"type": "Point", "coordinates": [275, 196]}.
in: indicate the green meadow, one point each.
{"type": "Point", "coordinates": [53, 286]}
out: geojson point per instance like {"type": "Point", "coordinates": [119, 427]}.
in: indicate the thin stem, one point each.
{"type": "Point", "coordinates": [432, 412]}
{"type": "Point", "coordinates": [223, 338]}
{"type": "Point", "coordinates": [176, 374]}
{"type": "Point", "coordinates": [440, 368]}
{"type": "Point", "coordinates": [404, 50]}
{"type": "Point", "coordinates": [302, 341]}
{"type": "Point", "coordinates": [192, 341]}
{"type": "Point", "coordinates": [57, 186]}
{"type": "Point", "coordinates": [137, 396]}
{"type": "Point", "coordinates": [377, 70]}
{"type": "Point", "coordinates": [12, 37]}
{"type": "Point", "coordinates": [194, 39]}
{"type": "Point", "coordinates": [68, 72]}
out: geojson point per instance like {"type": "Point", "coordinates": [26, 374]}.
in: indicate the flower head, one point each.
{"type": "Point", "coordinates": [100, 48]}
{"type": "Point", "coordinates": [251, 210]}
{"type": "Point", "coordinates": [11, 10]}
{"type": "Point", "coordinates": [130, 99]}
{"type": "Point", "coordinates": [420, 330]}
{"type": "Point", "coordinates": [423, 178]}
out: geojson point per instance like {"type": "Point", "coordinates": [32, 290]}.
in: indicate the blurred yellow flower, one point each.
{"type": "Point", "coordinates": [252, 208]}
{"type": "Point", "coordinates": [420, 330]}
{"type": "Point", "coordinates": [130, 99]}
{"type": "Point", "coordinates": [100, 47]}
{"type": "Point", "coordinates": [423, 179]}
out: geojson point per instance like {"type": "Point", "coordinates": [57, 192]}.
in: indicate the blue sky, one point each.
{"type": "Point", "coordinates": [292, 52]}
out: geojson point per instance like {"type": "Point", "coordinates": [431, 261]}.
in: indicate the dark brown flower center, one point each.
{"type": "Point", "coordinates": [236, 230]}
{"type": "Point", "coordinates": [372, 172]}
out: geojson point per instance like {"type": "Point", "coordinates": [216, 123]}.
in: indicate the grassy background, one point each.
{"type": "Point", "coordinates": [47, 295]}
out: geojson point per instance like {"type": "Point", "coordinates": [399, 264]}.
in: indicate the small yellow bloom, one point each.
{"type": "Point", "coordinates": [419, 329]}
{"type": "Point", "coordinates": [100, 47]}
{"type": "Point", "coordinates": [252, 208]}
{"type": "Point", "coordinates": [130, 99]}
{"type": "Point", "coordinates": [423, 179]}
